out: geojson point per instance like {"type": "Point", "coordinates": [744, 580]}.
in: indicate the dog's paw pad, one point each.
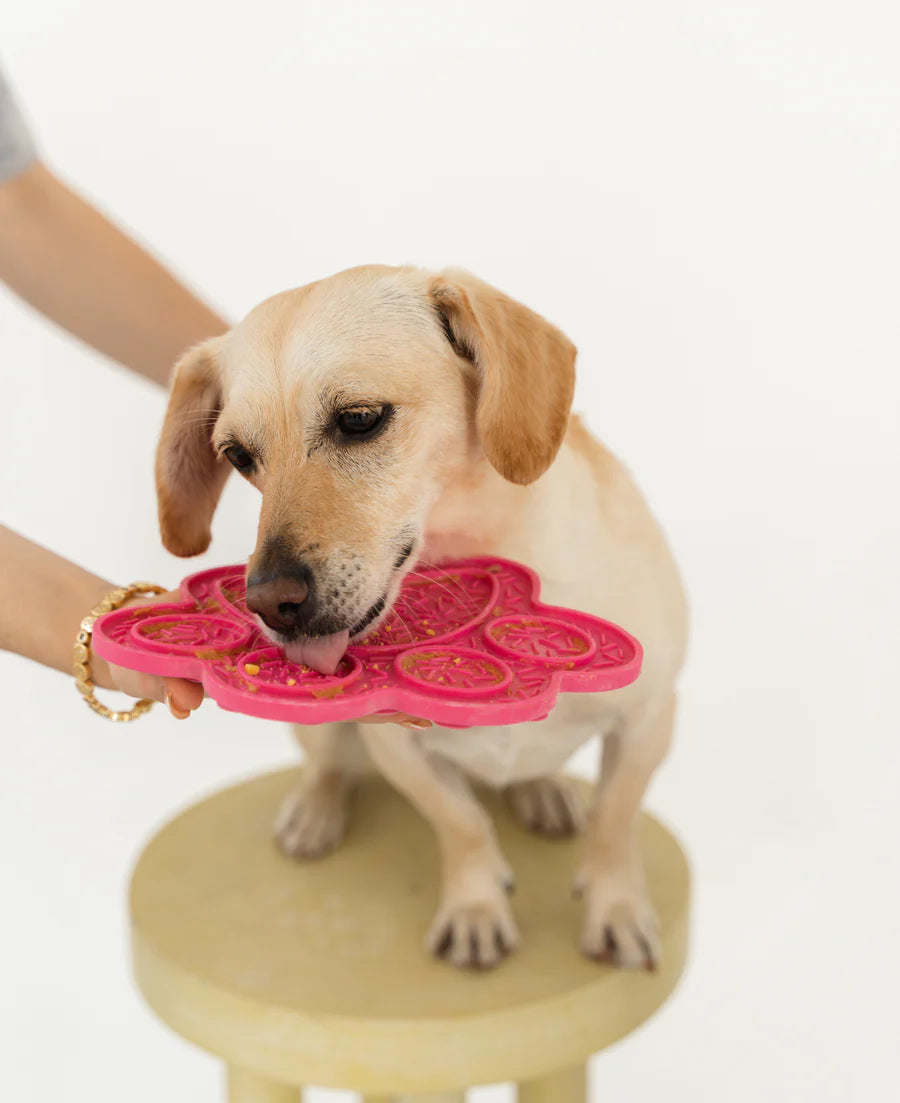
{"type": "Point", "coordinates": [311, 822]}
{"type": "Point", "coordinates": [547, 806]}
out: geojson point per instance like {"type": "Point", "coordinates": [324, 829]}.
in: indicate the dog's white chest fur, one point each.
{"type": "Point", "coordinates": [504, 755]}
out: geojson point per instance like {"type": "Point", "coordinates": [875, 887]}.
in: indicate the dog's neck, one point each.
{"type": "Point", "coordinates": [480, 513]}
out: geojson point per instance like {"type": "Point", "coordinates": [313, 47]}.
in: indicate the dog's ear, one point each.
{"type": "Point", "coordinates": [525, 373]}
{"type": "Point", "coordinates": [189, 475]}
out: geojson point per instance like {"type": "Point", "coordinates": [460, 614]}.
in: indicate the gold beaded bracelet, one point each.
{"type": "Point", "coordinates": [81, 653]}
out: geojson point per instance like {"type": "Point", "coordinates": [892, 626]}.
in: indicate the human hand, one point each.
{"type": "Point", "coordinates": [181, 696]}
{"type": "Point", "coordinates": [400, 718]}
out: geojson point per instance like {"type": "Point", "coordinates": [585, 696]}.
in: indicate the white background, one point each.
{"type": "Point", "coordinates": [704, 196]}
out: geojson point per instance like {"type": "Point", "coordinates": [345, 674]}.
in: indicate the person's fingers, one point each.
{"type": "Point", "coordinates": [400, 718]}
{"type": "Point", "coordinates": [185, 696]}
{"type": "Point", "coordinates": [136, 684]}
{"type": "Point", "coordinates": [415, 722]}
{"type": "Point", "coordinates": [181, 696]}
{"type": "Point", "coordinates": [178, 713]}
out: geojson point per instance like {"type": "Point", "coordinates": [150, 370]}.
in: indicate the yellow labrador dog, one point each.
{"type": "Point", "coordinates": [391, 416]}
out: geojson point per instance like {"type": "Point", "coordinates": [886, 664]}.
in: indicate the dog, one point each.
{"type": "Point", "coordinates": [392, 416]}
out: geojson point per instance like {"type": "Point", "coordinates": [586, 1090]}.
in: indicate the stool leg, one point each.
{"type": "Point", "coordinates": [569, 1085]}
{"type": "Point", "coordinates": [248, 1087]}
{"type": "Point", "coordinates": [427, 1097]}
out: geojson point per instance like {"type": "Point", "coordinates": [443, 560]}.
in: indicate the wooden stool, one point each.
{"type": "Point", "coordinates": [315, 973]}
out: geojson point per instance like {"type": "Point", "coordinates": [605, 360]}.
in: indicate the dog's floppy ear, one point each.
{"type": "Point", "coordinates": [525, 373]}
{"type": "Point", "coordinates": [189, 475]}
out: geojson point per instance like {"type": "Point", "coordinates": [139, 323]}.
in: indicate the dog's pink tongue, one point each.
{"type": "Point", "coordinates": [322, 653]}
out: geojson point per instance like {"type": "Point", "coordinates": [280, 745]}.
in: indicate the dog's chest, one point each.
{"type": "Point", "coordinates": [504, 755]}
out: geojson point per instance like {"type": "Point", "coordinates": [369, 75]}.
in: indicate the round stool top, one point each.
{"type": "Point", "coordinates": [316, 972]}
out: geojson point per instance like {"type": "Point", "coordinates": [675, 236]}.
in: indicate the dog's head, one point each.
{"type": "Point", "coordinates": [351, 404]}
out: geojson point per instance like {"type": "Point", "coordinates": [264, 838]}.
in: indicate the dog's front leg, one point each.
{"type": "Point", "coordinates": [621, 925]}
{"type": "Point", "coordinates": [474, 925]}
{"type": "Point", "coordinates": [313, 817]}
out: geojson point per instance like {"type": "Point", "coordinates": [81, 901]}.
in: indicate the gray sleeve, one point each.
{"type": "Point", "coordinates": [17, 150]}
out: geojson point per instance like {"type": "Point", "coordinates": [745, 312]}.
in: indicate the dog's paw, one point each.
{"type": "Point", "coordinates": [620, 926]}
{"type": "Point", "coordinates": [550, 806]}
{"type": "Point", "coordinates": [474, 934]}
{"type": "Point", "coordinates": [312, 821]}
{"type": "Point", "coordinates": [474, 927]}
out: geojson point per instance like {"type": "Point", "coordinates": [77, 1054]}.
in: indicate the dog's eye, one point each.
{"type": "Point", "coordinates": [239, 458]}
{"type": "Point", "coordinates": [362, 422]}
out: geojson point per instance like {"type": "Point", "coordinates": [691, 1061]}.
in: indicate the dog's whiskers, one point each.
{"type": "Point", "coordinates": [461, 596]}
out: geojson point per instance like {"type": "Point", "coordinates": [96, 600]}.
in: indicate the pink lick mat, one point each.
{"type": "Point", "coordinates": [466, 643]}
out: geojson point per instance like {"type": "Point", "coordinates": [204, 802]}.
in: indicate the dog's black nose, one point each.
{"type": "Point", "coordinates": [279, 601]}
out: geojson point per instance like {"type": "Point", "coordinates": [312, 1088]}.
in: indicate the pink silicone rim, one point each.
{"type": "Point", "coordinates": [612, 657]}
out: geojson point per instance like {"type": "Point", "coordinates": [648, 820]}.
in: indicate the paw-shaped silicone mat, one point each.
{"type": "Point", "coordinates": [466, 643]}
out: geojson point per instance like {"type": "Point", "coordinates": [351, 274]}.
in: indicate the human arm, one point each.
{"type": "Point", "coordinates": [72, 264]}
{"type": "Point", "coordinates": [43, 599]}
